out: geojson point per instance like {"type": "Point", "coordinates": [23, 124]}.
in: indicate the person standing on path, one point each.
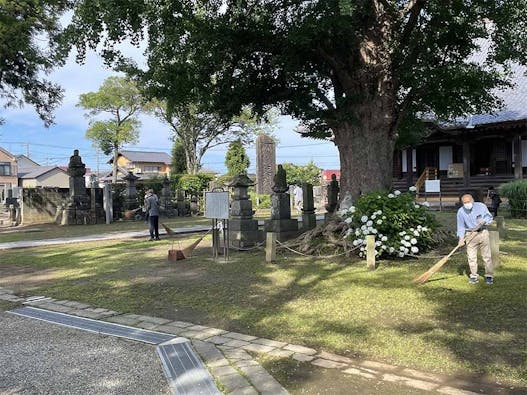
{"type": "Point", "coordinates": [472, 220]}
{"type": "Point", "coordinates": [152, 210]}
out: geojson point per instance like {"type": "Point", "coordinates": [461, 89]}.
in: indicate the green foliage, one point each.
{"type": "Point", "coordinates": [120, 98]}
{"type": "Point", "coordinates": [28, 51]}
{"type": "Point", "coordinates": [401, 227]}
{"type": "Point", "coordinates": [516, 192]}
{"type": "Point", "coordinates": [357, 72]}
{"type": "Point", "coordinates": [297, 174]}
{"type": "Point", "coordinates": [265, 200]}
{"type": "Point", "coordinates": [193, 184]}
{"type": "Point", "coordinates": [179, 161]}
{"type": "Point", "coordinates": [236, 159]}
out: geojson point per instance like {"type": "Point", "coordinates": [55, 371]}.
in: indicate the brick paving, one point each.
{"type": "Point", "coordinates": [226, 354]}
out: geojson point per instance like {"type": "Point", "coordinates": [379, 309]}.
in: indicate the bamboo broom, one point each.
{"type": "Point", "coordinates": [184, 252]}
{"type": "Point", "coordinates": [423, 278]}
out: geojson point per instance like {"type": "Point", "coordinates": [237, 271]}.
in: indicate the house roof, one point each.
{"type": "Point", "coordinates": [7, 153]}
{"type": "Point", "coordinates": [23, 157]}
{"type": "Point", "coordinates": [36, 171]}
{"type": "Point", "coordinates": [143, 156]}
{"type": "Point", "coordinates": [514, 98]}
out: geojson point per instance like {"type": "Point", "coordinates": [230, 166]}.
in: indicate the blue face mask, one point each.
{"type": "Point", "coordinates": [468, 206]}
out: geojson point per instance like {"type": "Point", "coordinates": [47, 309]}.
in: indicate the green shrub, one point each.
{"type": "Point", "coordinates": [193, 184]}
{"type": "Point", "coordinates": [516, 192]}
{"type": "Point", "coordinates": [401, 226]}
{"type": "Point", "coordinates": [265, 200]}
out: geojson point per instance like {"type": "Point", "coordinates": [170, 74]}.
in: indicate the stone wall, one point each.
{"type": "Point", "coordinates": [39, 205]}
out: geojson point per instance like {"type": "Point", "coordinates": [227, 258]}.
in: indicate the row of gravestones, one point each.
{"type": "Point", "coordinates": [243, 228]}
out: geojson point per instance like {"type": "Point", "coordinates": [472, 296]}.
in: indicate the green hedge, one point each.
{"type": "Point", "coordinates": [193, 184]}
{"type": "Point", "coordinates": [516, 192]}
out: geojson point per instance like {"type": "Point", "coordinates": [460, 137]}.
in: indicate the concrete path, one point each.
{"type": "Point", "coordinates": [226, 354]}
{"type": "Point", "coordinates": [41, 358]}
{"type": "Point", "coordinates": [99, 237]}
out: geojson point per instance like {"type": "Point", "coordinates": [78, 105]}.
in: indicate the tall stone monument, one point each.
{"type": "Point", "coordinates": [265, 164]}
{"type": "Point", "coordinates": [309, 219]}
{"type": "Point", "coordinates": [281, 222]}
{"type": "Point", "coordinates": [130, 200]}
{"type": "Point", "coordinates": [243, 229]}
{"type": "Point", "coordinates": [77, 209]}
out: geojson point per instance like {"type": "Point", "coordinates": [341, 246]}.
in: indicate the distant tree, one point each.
{"type": "Point", "coordinates": [179, 161]}
{"type": "Point", "coordinates": [236, 159]}
{"type": "Point", "coordinates": [28, 51]}
{"type": "Point", "coordinates": [200, 131]}
{"type": "Point", "coordinates": [119, 97]}
{"type": "Point", "coordinates": [302, 173]}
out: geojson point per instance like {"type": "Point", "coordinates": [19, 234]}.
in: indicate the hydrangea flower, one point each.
{"type": "Point", "coordinates": [401, 254]}
{"type": "Point", "coordinates": [407, 237]}
{"type": "Point", "coordinates": [415, 250]}
{"type": "Point", "coordinates": [348, 220]}
{"type": "Point", "coordinates": [374, 231]}
{"type": "Point", "coordinates": [391, 195]}
{"type": "Point", "coordinates": [379, 222]}
{"type": "Point", "coordinates": [369, 223]}
{"type": "Point", "coordinates": [396, 192]}
{"type": "Point", "coordinates": [413, 241]}
{"type": "Point", "coordinates": [384, 238]}
{"type": "Point", "coordinates": [364, 218]}
{"type": "Point", "coordinates": [412, 189]}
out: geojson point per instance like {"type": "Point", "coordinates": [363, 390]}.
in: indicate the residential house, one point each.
{"type": "Point", "coordinates": [143, 164]}
{"type": "Point", "coordinates": [43, 176]}
{"type": "Point", "coordinates": [8, 173]}
{"type": "Point", "coordinates": [24, 161]}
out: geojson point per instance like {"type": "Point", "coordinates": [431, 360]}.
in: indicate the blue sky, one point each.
{"type": "Point", "coordinates": [24, 132]}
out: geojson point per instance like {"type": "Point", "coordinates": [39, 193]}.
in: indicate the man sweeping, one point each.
{"type": "Point", "coordinates": [472, 220]}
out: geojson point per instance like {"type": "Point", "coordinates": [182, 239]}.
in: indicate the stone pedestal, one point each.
{"type": "Point", "coordinates": [77, 210]}
{"type": "Point", "coordinates": [243, 229]}
{"type": "Point", "coordinates": [281, 222]}
{"type": "Point", "coordinates": [309, 219]}
{"type": "Point", "coordinates": [165, 202]}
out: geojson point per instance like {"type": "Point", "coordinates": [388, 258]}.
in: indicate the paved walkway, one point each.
{"type": "Point", "coordinates": [226, 354]}
{"type": "Point", "coordinates": [103, 236]}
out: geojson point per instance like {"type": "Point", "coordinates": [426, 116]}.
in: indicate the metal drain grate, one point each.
{"type": "Point", "coordinates": [184, 370]}
{"type": "Point", "coordinates": [104, 328]}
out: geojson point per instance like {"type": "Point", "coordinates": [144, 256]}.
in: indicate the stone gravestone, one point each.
{"type": "Point", "coordinates": [309, 219]}
{"type": "Point", "coordinates": [281, 222]}
{"type": "Point", "coordinates": [77, 209]}
{"type": "Point", "coordinates": [333, 196]}
{"type": "Point", "coordinates": [166, 205]}
{"type": "Point", "coordinates": [265, 164]}
{"type": "Point", "coordinates": [130, 201]}
{"type": "Point", "coordinates": [242, 228]}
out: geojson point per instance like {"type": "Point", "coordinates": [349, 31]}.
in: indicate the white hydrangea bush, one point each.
{"type": "Point", "coordinates": [401, 226]}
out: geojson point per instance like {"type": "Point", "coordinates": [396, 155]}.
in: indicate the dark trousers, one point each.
{"type": "Point", "coordinates": [153, 221]}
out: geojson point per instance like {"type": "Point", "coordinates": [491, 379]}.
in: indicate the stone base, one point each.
{"type": "Point", "coordinates": [244, 233]}
{"type": "Point", "coordinates": [285, 229]}
{"type": "Point", "coordinates": [309, 221]}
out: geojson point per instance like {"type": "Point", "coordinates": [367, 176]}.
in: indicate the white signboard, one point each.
{"type": "Point", "coordinates": [432, 186]}
{"type": "Point", "coordinates": [217, 205]}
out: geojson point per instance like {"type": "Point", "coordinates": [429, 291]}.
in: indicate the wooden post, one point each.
{"type": "Point", "coordinates": [494, 238]}
{"type": "Point", "coordinates": [410, 167]}
{"type": "Point", "coordinates": [518, 169]}
{"type": "Point", "coordinates": [466, 164]}
{"type": "Point", "coordinates": [370, 252]}
{"type": "Point", "coordinates": [270, 247]}
{"type": "Point", "coordinates": [500, 224]}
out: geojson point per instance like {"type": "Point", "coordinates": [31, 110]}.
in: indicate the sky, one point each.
{"type": "Point", "coordinates": [23, 132]}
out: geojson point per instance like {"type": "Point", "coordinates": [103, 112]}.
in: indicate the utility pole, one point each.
{"type": "Point", "coordinates": [27, 150]}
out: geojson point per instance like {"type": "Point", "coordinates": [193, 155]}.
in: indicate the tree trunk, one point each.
{"type": "Point", "coordinates": [114, 167]}
{"type": "Point", "coordinates": [366, 155]}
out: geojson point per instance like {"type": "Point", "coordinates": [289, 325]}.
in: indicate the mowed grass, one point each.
{"type": "Point", "coordinates": [337, 305]}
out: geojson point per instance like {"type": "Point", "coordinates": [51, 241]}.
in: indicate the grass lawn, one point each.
{"type": "Point", "coordinates": [336, 305]}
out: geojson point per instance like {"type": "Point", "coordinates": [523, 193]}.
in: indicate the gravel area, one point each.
{"type": "Point", "coordinates": [41, 358]}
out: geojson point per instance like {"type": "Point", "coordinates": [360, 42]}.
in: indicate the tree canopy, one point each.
{"type": "Point", "coordinates": [359, 72]}
{"type": "Point", "coordinates": [236, 159]}
{"type": "Point", "coordinates": [29, 49]}
{"type": "Point", "coordinates": [298, 174]}
{"type": "Point", "coordinates": [120, 98]}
